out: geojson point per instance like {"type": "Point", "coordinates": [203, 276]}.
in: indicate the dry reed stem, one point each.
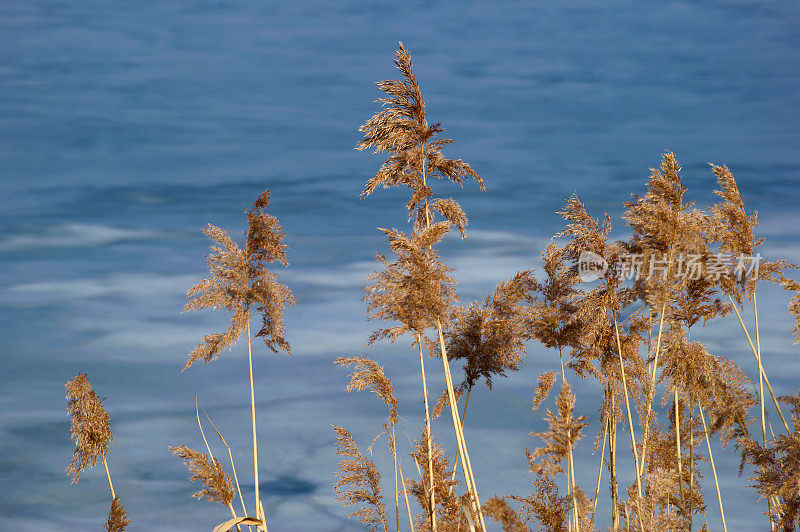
{"type": "Point", "coordinates": [572, 484]}
{"type": "Point", "coordinates": [760, 366]}
{"type": "Point", "coordinates": [253, 420]}
{"type": "Point", "coordinates": [762, 377]}
{"type": "Point", "coordinates": [396, 500]}
{"type": "Point", "coordinates": [462, 448]}
{"type": "Point", "coordinates": [761, 392]}
{"type": "Point", "coordinates": [211, 455]}
{"type": "Point", "coordinates": [463, 419]}
{"type": "Point", "coordinates": [110, 485]}
{"type": "Point", "coordinates": [405, 496]}
{"type": "Point", "coordinates": [630, 424]}
{"type": "Point", "coordinates": [612, 464]}
{"type": "Point", "coordinates": [432, 501]}
{"type": "Point", "coordinates": [599, 474]}
{"type": "Point", "coordinates": [678, 446]}
{"type": "Point", "coordinates": [653, 384]}
{"type": "Point", "coordinates": [233, 466]}
{"type": "Point", "coordinates": [713, 468]}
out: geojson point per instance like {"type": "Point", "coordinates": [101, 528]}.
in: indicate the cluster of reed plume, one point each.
{"type": "Point", "coordinates": [634, 337]}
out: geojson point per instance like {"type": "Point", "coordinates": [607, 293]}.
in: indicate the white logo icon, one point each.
{"type": "Point", "coordinates": [591, 266]}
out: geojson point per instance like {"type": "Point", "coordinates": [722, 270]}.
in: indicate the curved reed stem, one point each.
{"type": "Point", "coordinates": [465, 463]}
{"type": "Point", "coordinates": [630, 422]}
{"type": "Point", "coordinates": [760, 366]}
{"type": "Point", "coordinates": [713, 468]}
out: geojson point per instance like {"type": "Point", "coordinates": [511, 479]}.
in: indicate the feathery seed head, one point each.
{"type": "Point", "coordinates": [90, 425]}
{"type": "Point", "coordinates": [219, 485]}
{"type": "Point", "coordinates": [117, 520]}
{"type": "Point", "coordinates": [359, 483]}
{"type": "Point", "coordinates": [369, 374]}
{"type": "Point", "coordinates": [240, 280]}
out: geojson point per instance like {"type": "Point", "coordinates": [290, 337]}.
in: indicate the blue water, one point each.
{"type": "Point", "coordinates": [125, 128]}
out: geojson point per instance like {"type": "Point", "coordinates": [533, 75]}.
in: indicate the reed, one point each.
{"type": "Point", "coordinates": [90, 430]}
{"type": "Point", "coordinates": [636, 334]}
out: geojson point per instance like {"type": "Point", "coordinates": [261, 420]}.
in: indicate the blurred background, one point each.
{"type": "Point", "coordinates": [126, 127]}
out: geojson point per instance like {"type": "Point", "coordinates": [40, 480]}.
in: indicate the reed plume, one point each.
{"type": "Point", "coordinates": [117, 519]}
{"type": "Point", "coordinates": [90, 429]}
{"type": "Point", "coordinates": [416, 289]}
{"type": "Point", "coordinates": [498, 509]}
{"type": "Point", "coordinates": [489, 337]}
{"type": "Point", "coordinates": [239, 281]}
{"type": "Point", "coordinates": [794, 304]}
{"type": "Point", "coordinates": [564, 431]}
{"type": "Point", "coordinates": [546, 505]}
{"type": "Point", "coordinates": [369, 375]}
{"type": "Point", "coordinates": [778, 469]}
{"type": "Point", "coordinates": [90, 426]}
{"type": "Point", "coordinates": [359, 483]}
{"type": "Point", "coordinates": [218, 484]}
{"type": "Point", "coordinates": [553, 319]}
{"type": "Point", "coordinates": [401, 130]}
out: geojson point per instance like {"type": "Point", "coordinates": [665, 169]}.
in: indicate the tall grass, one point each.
{"type": "Point", "coordinates": [634, 326]}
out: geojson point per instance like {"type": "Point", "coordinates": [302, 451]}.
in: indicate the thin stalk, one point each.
{"type": "Point", "coordinates": [771, 500]}
{"type": "Point", "coordinates": [653, 385]}
{"type": "Point", "coordinates": [466, 402]}
{"type": "Point", "coordinates": [630, 423]}
{"type": "Point", "coordinates": [233, 513]}
{"type": "Point", "coordinates": [713, 468]}
{"type": "Point", "coordinates": [202, 432]}
{"type": "Point", "coordinates": [432, 500]}
{"type": "Point", "coordinates": [572, 509]}
{"type": "Point", "coordinates": [253, 419]}
{"type": "Point", "coordinates": [396, 500]}
{"type": "Point", "coordinates": [463, 420]}
{"type": "Point", "coordinates": [572, 482]}
{"type": "Point", "coordinates": [678, 446]}
{"type": "Point", "coordinates": [110, 485]}
{"type": "Point", "coordinates": [760, 377]}
{"type": "Point", "coordinates": [612, 461]}
{"type": "Point", "coordinates": [658, 342]}
{"type": "Point", "coordinates": [463, 454]}
{"type": "Point", "coordinates": [233, 466]}
{"type": "Point", "coordinates": [263, 516]}
{"type": "Point", "coordinates": [208, 448]}
{"type": "Point", "coordinates": [761, 394]}
{"type": "Point", "coordinates": [405, 496]}
{"type": "Point", "coordinates": [760, 366]}
{"type": "Point", "coordinates": [691, 466]}
{"type": "Point", "coordinates": [599, 473]}
{"type": "Point", "coordinates": [628, 409]}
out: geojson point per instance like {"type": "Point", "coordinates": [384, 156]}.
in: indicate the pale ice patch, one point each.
{"type": "Point", "coordinates": [75, 235]}
{"type": "Point", "coordinates": [477, 270]}
{"type": "Point", "coordinates": [352, 275]}
{"type": "Point", "coordinates": [130, 286]}
{"type": "Point", "coordinates": [486, 236]}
